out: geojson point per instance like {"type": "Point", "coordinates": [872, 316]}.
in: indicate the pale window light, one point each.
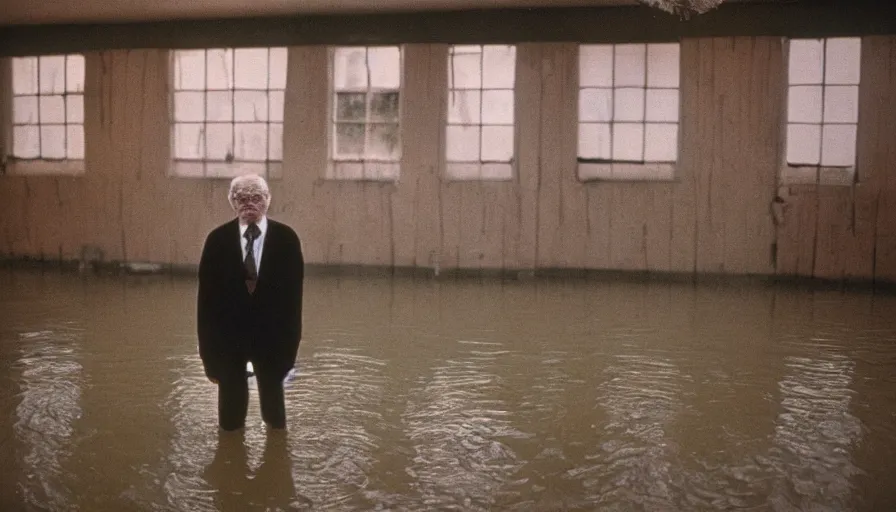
{"type": "Point", "coordinates": [366, 112]}
{"type": "Point", "coordinates": [48, 108]}
{"type": "Point", "coordinates": [823, 102]}
{"type": "Point", "coordinates": [479, 136]}
{"type": "Point", "coordinates": [228, 109]}
{"type": "Point", "coordinates": [628, 106]}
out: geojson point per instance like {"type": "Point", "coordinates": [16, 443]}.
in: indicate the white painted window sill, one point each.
{"type": "Point", "coordinates": [45, 168]}
{"type": "Point", "coordinates": [225, 170]}
{"type": "Point", "coordinates": [828, 176]}
{"type": "Point", "coordinates": [477, 171]}
{"type": "Point", "coordinates": [659, 172]}
{"type": "Point", "coordinates": [342, 170]}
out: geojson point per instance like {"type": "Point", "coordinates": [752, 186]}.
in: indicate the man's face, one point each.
{"type": "Point", "coordinates": [250, 205]}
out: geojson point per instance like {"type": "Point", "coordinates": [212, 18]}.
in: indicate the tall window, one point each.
{"type": "Point", "coordinates": [628, 110]}
{"type": "Point", "coordinates": [479, 137]}
{"type": "Point", "coordinates": [48, 113]}
{"type": "Point", "coordinates": [823, 102]}
{"type": "Point", "coordinates": [366, 113]}
{"type": "Point", "coordinates": [228, 111]}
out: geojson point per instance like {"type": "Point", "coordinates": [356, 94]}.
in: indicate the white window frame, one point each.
{"type": "Point", "coordinates": [609, 169]}
{"type": "Point", "coordinates": [363, 168]}
{"type": "Point", "coordinates": [208, 168]}
{"type": "Point", "coordinates": [803, 174]}
{"type": "Point", "coordinates": [15, 166]}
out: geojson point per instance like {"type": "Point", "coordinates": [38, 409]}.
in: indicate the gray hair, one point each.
{"type": "Point", "coordinates": [249, 183]}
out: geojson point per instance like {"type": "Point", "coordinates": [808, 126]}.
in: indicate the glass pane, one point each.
{"type": "Point", "coordinates": [497, 107]}
{"type": "Point", "coordinates": [384, 107]}
{"type": "Point", "coordinates": [383, 142]}
{"type": "Point", "coordinates": [220, 69]}
{"type": "Point", "coordinates": [252, 142]}
{"type": "Point", "coordinates": [74, 145]}
{"type": "Point", "coordinates": [662, 105]}
{"type": "Point", "coordinates": [52, 74]}
{"type": "Point", "coordinates": [279, 62]}
{"type": "Point", "coordinates": [628, 142]}
{"type": "Point", "coordinates": [349, 68]}
{"type": "Point", "coordinates": [462, 143]}
{"type": "Point", "coordinates": [463, 107]}
{"type": "Point", "coordinates": [24, 75]}
{"type": "Point", "coordinates": [52, 109]}
{"type": "Point", "coordinates": [838, 145]}
{"type": "Point", "coordinates": [52, 142]}
{"type": "Point", "coordinates": [596, 65]}
{"type": "Point", "coordinates": [841, 104]}
{"type": "Point", "coordinates": [350, 106]}
{"type": "Point", "coordinates": [663, 65]}
{"type": "Point", "coordinates": [498, 66]}
{"type": "Point", "coordinates": [349, 140]}
{"type": "Point", "coordinates": [74, 108]}
{"type": "Point", "coordinates": [629, 70]}
{"type": "Point", "coordinates": [596, 105]}
{"type": "Point", "coordinates": [661, 143]}
{"type": "Point", "coordinates": [189, 69]}
{"type": "Point", "coordinates": [250, 68]}
{"type": "Point", "coordinates": [219, 106]}
{"type": "Point", "coordinates": [594, 141]}
{"type": "Point", "coordinates": [74, 74]}
{"type": "Point", "coordinates": [803, 144]}
{"type": "Point", "coordinates": [275, 142]}
{"type": "Point", "coordinates": [628, 105]}
{"type": "Point", "coordinates": [806, 61]}
{"type": "Point", "coordinates": [26, 141]}
{"type": "Point", "coordinates": [497, 143]}
{"type": "Point", "coordinates": [189, 142]}
{"type": "Point", "coordinates": [385, 67]}
{"type": "Point", "coordinates": [251, 106]}
{"type": "Point", "coordinates": [842, 63]}
{"type": "Point", "coordinates": [189, 106]}
{"type": "Point", "coordinates": [219, 142]}
{"type": "Point", "coordinates": [24, 110]}
{"type": "Point", "coordinates": [465, 71]}
{"type": "Point", "coordinates": [804, 104]}
{"type": "Point", "coordinates": [277, 107]}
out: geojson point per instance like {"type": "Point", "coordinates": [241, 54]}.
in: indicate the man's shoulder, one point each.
{"type": "Point", "coordinates": [281, 229]}
{"type": "Point", "coordinates": [222, 229]}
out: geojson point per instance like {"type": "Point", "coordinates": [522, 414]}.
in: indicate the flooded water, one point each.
{"type": "Point", "coordinates": [456, 395]}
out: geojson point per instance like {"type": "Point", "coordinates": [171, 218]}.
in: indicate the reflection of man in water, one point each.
{"type": "Point", "coordinates": [250, 305]}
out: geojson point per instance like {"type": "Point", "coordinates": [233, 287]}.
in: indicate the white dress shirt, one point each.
{"type": "Point", "coordinates": [259, 242]}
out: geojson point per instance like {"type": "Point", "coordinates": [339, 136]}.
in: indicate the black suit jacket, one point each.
{"type": "Point", "coordinates": [235, 326]}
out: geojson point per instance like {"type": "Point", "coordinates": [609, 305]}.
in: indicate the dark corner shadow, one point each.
{"type": "Point", "coordinates": [270, 487]}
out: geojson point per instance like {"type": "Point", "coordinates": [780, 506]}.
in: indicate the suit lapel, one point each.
{"type": "Point", "coordinates": [267, 254]}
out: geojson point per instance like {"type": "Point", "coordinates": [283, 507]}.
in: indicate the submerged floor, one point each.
{"type": "Point", "coordinates": [460, 395]}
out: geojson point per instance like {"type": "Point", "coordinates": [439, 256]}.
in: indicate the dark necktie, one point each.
{"type": "Point", "coordinates": [251, 234]}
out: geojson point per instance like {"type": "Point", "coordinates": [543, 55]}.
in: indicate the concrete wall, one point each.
{"type": "Point", "coordinates": [716, 216]}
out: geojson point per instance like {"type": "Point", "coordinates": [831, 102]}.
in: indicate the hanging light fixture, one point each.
{"type": "Point", "coordinates": [684, 8]}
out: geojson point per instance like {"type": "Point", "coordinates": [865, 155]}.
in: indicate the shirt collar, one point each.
{"type": "Point", "coordinates": [262, 226]}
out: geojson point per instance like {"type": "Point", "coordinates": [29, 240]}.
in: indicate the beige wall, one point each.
{"type": "Point", "coordinates": [715, 217]}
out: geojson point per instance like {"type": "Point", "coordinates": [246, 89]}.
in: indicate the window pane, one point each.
{"type": "Point", "coordinates": [594, 141]}
{"type": "Point", "coordinates": [24, 75]}
{"type": "Point", "coordinates": [596, 105]}
{"type": "Point", "coordinates": [804, 104]}
{"type": "Point", "coordinates": [252, 142]}
{"type": "Point", "coordinates": [662, 105]}
{"type": "Point", "coordinates": [806, 61]}
{"type": "Point", "coordinates": [219, 141]}
{"type": "Point", "coordinates": [52, 74]}
{"type": "Point", "coordinates": [465, 71]}
{"type": "Point", "coordinates": [629, 65]}
{"type": "Point", "coordinates": [663, 65]}
{"type": "Point", "coordinates": [250, 68]}
{"type": "Point", "coordinates": [251, 106]}
{"type": "Point", "coordinates": [628, 105]}
{"type": "Point", "coordinates": [383, 142]}
{"type": "Point", "coordinates": [189, 69]}
{"type": "Point", "coordinates": [52, 109]}
{"type": "Point", "coordinates": [497, 107]}
{"type": "Point", "coordinates": [279, 63]}
{"type": "Point", "coordinates": [52, 142]}
{"type": "Point", "coordinates": [275, 142]}
{"type": "Point", "coordinates": [219, 106]}
{"type": "Point", "coordinates": [220, 69]}
{"type": "Point", "coordinates": [843, 61]}
{"type": "Point", "coordinates": [277, 107]}
{"type": "Point", "coordinates": [189, 106]}
{"type": "Point", "coordinates": [803, 144]}
{"type": "Point", "coordinates": [350, 107]}
{"type": "Point", "coordinates": [463, 107]}
{"type": "Point", "coordinates": [498, 66]}
{"type": "Point", "coordinates": [596, 65]}
{"type": "Point", "coordinates": [384, 107]}
{"type": "Point", "coordinates": [74, 75]}
{"type": "Point", "coordinates": [24, 110]}
{"type": "Point", "coordinates": [462, 143]}
{"type": "Point", "coordinates": [350, 68]}
{"type": "Point", "coordinates": [349, 140]}
{"type": "Point", "coordinates": [628, 142]}
{"type": "Point", "coordinates": [841, 104]}
{"type": "Point", "coordinates": [26, 141]}
{"type": "Point", "coordinates": [385, 67]}
{"type": "Point", "coordinates": [74, 144]}
{"type": "Point", "coordinates": [189, 142]}
{"type": "Point", "coordinates": [74, 108]}
{"type": "Point", "coordinates": [838, 145]}
{"type": "Point", "coordinates": [661, 143]}
{"type": "Point", "coordinates": [497, 143]}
